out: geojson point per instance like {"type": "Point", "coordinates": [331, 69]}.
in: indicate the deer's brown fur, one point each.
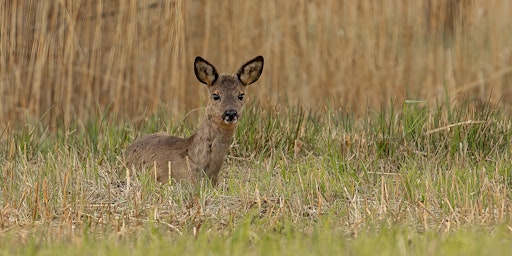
{"type": "Point", "coordinates": [202, 154]}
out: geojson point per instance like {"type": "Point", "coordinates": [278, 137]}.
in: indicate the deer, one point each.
{"type": "Point", "coordinates": [200, 156]}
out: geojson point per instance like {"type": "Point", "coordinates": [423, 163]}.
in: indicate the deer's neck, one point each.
{"type": "Point", "coordinates": [208, 148]}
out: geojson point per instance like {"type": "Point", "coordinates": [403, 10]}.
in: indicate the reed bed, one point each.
{"type": "Point", "coordinates": [66, 59]}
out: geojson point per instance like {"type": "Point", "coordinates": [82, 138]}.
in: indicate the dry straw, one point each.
{"type": "Point", "coordinates": [66, 59]}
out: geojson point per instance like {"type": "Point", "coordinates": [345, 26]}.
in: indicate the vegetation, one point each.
{"type": "Point", "coordinates": [377, 127]}
{"type": "Point", "coordinates": [416, 181]}
{"type": "Point", "coordinates": [61, 59]}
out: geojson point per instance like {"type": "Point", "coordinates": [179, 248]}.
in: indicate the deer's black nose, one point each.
{"type": "Point", "coordinates": [230, 115]}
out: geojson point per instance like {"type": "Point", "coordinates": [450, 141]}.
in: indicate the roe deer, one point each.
{"type": "Point", "coordinates": [201, 155]}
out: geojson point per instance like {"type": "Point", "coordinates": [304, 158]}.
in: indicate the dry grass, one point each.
{"type": "Point", "coordinates": [65, 59]}
{"type": "Point", "coordinates": [292, 175]}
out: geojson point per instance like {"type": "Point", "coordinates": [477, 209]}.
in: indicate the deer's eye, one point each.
{"type": "Point", "coordinates": [215, 96]}
{"type": "Point", "coordinates": [241, 96]}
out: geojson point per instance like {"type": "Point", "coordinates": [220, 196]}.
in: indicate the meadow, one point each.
{"type": "Point", "coordinates": [295, 182]}
{"type": "Point", "coordinates": [377, 127]}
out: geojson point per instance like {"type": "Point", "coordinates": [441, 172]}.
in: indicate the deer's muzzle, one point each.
{"type": "Point", "coordinates": [230, 116]}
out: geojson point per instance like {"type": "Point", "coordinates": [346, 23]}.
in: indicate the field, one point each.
{"type": "Point", "coordinates": [378, 127]}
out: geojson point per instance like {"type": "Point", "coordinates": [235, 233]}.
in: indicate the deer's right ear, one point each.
{"type": "Point", "coordinates": [205, 72]}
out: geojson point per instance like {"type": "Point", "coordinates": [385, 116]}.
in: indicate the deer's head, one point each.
{"type": "Point", "coordinates": [227, 92]}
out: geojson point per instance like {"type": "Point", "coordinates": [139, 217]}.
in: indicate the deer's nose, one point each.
{"type": "Point", "coordinates": [230, 115]}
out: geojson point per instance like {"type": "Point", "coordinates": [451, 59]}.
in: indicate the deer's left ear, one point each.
{"type": "Point", "coordinates": [205, 72]}
{"type": "Point", "coordinates": [250, 71]}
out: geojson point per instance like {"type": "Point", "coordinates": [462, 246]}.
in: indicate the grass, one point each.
{"type": "Point", "coordinates": [398, 241]}
{"type": "Point", "coordinates": [415, 181]}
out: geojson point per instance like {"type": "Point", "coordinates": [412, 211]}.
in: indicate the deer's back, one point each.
{"type": "Point", "coordinates": [167, 153]}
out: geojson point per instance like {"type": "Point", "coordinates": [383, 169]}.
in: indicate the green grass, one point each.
{"type": "Point", "coordinates": [247, 240]}
{"type": "Point", "coordinates": [409, 181]}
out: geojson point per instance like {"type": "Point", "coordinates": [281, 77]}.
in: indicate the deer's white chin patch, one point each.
{"type": "Point", "coordinates": [231, 122]}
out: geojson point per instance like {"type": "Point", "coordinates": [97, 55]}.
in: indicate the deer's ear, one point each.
{"type": "Point", "coordinates": [250, 71]}
{"type": "Point", "coordinates": [205, 72]}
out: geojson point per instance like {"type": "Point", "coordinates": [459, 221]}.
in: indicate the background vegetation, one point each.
{"type": "Point", "coordinates": [378, 127]}
{"type": "Point", "coordinates": [64, 59]}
